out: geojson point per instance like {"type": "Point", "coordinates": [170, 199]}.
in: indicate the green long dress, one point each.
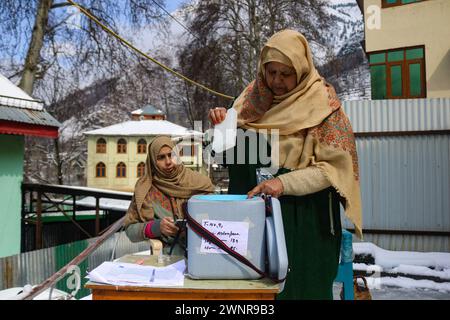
{"type": "Point", "coordinates": [312, 231]}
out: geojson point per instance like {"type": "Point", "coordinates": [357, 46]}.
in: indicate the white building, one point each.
{"type": "Point", "coordinates": [117, 154]}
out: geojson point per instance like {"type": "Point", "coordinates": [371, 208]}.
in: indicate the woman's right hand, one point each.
{"type": "Point", "coordinates": [168, 227]}
{"type": "Point", "coordinates": [217, 115]}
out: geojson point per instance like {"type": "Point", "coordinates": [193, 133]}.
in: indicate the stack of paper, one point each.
{"type": "Point", "coordinates": [129, 274]}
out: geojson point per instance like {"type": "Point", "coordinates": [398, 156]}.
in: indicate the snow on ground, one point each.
{"type": "Point", "coordinates": [405, 269]}
{"type": "Point", "coordinates": [392, 259]}
{"type": "Point", "coordinates": [394, 293]}
{"type": "Point", "coordinates": [401, 264]}
{"type": "Point", "coordinates": [17, 293]}
{"type": "Point", "coordinates": [407, 283]}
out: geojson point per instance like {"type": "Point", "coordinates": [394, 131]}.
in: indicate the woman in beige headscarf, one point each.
{"type": "Point", "coordinates": [160, 193]}
{"type": "Point", "coordinates": [316, 157]}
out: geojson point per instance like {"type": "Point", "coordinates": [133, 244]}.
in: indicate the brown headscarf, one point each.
{"type": "Point", "coordinates": [181, 184]}
{"type": "Point", "coordinates": [313, 128]}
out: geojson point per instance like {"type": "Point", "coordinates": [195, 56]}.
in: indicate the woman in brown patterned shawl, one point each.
{"type": "Point", "coordinates": [317, 160]}
{"type": "Point", "coordinates": [159, 195]}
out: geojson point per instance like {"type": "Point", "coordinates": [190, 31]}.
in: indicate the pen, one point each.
{"type": "Point", "coordinates": [153, 276]}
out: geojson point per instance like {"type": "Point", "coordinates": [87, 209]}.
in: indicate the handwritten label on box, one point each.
{"type": "Point", "coordinates": [233, 233]}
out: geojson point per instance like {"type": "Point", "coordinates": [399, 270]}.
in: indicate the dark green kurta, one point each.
{"type": "Point", "coordinates": [313, 250]}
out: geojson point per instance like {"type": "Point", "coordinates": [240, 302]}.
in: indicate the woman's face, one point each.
{"type": "Point", "coordinates": [280, 78]}
{"type": "Point", "coordinates": [165, 160]}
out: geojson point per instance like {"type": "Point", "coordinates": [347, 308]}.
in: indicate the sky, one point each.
{"type": "Point", "coordinates": [172, 5]}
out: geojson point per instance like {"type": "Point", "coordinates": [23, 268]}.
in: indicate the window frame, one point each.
{"type": "Point", "coordinates": [97, 167]}
{"type": "Point", "coordinates": [389, 66]}
{"type": "Point", "coordinates": [404, 63]}
{"type": "Point", "coordinates": [140, 145]}
{"type": "Point", "coordinates": [140, 166]}
{"type": "Point", "coordinates": [123, 170]}
{"type": "Point", "coordinates": [122, 147]}
{"type": "Point", "coordinates": [399, 3]}
{"type": "Point", "coordinates": [422, 77]}
{"type": "Point", "coordinates": [192, 150]}
{"type": "Point", "coordinates": [100, 147]}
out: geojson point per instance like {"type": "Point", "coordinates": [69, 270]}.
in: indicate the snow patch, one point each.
{"type": "Point", "coordinates": [428, 264]}
{"type": "Point", "coordinates": [392, 259]}
{"type": "Point", "coordinates": [408, 283]}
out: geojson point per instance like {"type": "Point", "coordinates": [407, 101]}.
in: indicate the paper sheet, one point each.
{"type": "Point", "coordinates": [225, 132]}
{"type": "Point", "coordinates": [233, 233]}
{"type": "Point", "coordinates": [130, 274]}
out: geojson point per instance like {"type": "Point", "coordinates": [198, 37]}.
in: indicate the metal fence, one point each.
{"type": "Point", "coordinates": [404, 159]}
{"type": "Point", "coordinates": [400, 115]}
{"type": "Point", "coordinates": [36, 266]}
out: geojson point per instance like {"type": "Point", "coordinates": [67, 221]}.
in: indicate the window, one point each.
{"type": "Point", "coordinates": [394, 3]}
{"type": "Point", "coordinates": [121, 171]}
{"type": "Point", "coordinates": [398, 73]}
{"type": "Point", "coordinates": [101, 146]}
{"type": "Point", "coordinates": [142, 146]}
{"type": "Point", "coordinates": [121, 146]}
{"type": "Point", "coordinates": [187, 151]}
{"type": "Point", "coordinates": [100, 170]}
{"type": "Point", "coordinates": [141, 169]}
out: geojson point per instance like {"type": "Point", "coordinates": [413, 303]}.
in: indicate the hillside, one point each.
{"type": "Point", "coordinates": [348, 25]}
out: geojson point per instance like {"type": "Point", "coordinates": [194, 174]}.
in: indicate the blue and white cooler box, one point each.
{"type": "Point", "coordinates": [241, 224]}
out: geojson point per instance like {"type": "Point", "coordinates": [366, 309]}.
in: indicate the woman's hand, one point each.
{"type": "Point", "coordinates": [272, 187]}
{"type": "Point", "coordinates": [168, 227]}
{"type": "Point", "coordinates": [217, 115]}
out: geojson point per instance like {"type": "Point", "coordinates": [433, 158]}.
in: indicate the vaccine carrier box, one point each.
{"type": "Point", "coordinates": [242, 225]}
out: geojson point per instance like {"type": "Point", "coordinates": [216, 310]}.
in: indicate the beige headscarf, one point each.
{"type": "Point", "coordinates": [313, 128]}
{"type": "Point", "coordinates": [303, 107]}
{"type": "Point", "coordinates": [180, 184]}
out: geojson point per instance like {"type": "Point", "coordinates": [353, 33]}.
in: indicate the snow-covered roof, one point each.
{"type": "Point", "coordinates": [104, 203]}
{"type": "Point", "coordinates": [13, 96]}
{"type": "Point", "coordinates": [18, 108]}
{"type": "Point", "coordinates": [80, 188]}
{"type": "Point", "coordinates": [144, 128]}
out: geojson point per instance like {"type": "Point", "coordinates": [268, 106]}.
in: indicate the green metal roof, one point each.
{"type": "Point", "coordinates": [28, 111]}
{"type": "Point", "coordinates": [22, 115]}
{"type": "Point", "coordinates": [17, 106]}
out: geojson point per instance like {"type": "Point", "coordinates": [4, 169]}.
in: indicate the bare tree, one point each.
{"type": "Point", "coordinates": [227, 37]}
{"type": "Point", "coordinates": [54, 50]}
{"type": "Point", "coordinates": [48, 34]}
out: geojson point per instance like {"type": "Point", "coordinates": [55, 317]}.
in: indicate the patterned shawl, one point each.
{"type": "Point", "coordinates": [313, 128]}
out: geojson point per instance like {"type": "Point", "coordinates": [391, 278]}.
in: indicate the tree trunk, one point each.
{"type": "Point", "coordinates": [191, 117]}
{"type": "Point", "coordinates": [58, 161]}
{"type": "Point", "coordinates": [36, 43]}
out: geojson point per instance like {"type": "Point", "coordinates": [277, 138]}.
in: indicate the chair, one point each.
{"type": "Point", "coordinates": [345, 269]}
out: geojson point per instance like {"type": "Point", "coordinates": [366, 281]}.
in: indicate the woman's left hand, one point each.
{"type": "Point", "coordinates": [272, 187]}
